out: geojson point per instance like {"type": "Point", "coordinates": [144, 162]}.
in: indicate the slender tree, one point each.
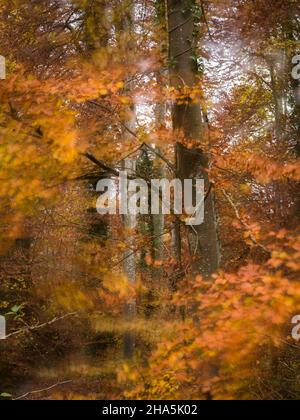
{"type": "Point", "coordinates": [189, 121]}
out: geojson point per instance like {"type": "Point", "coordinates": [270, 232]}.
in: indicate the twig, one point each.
{"type": "Point", "coordinates": [158, 154]}
{"type": "Point", "coordinates": [205, 20]}
{"type": "Point", "coordinates": [153, 238]}
{"type": "Point", "coordinates": [246, 227]}
{"type": "Point", "coordinates": [181, 24]}
{"type": "Point", "coordinates": [130, 154]}
{"type": "Point", "coordinates": [113, 113]}
{"type": "Point", "coordinates": [101, 165]}
{"type": "Point", "coordinates": [42, 390]}
{"type": "Point", "coordinates": [134, 134]}
{"type": "Point", "coordinates": [39, 326]}
{"type": "Point", "coordinates": [114, 171]}
{"type": "Point", "coordinates": [182, 53]}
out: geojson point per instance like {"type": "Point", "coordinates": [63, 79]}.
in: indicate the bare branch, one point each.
{"type": "Point", "coordinates": [39, 391]}
{"type": "Point", "coordinates": [101, 165]}
{"type": "Point", "coordinates": [39, 326]}
{"type": "Point", "coordinates": [205, 20]}
{"type": "Point", "coordinates": [246, 227]}
{"type": "Point", "coordinates": [158, 154]}
{"type": "Point", "coordinates": [181, 24]}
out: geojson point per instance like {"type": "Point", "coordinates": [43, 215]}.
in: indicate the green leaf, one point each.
{"type": "Point", "coordinates": [15, 309]}
{"type": "Point", "coordinates": [5, 395]}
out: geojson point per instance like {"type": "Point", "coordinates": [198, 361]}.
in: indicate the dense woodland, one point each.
{"type": "Point", "coordinates": [148, 307]}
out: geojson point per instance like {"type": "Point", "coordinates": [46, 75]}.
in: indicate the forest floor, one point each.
{"type": "Point", "coordinates": [72, 378]}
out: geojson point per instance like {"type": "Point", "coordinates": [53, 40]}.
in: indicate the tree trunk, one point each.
{"type": "Point", "coordinates": [129, 220]}
{"type": "Point", "coordinates": [159, 219]}
{"type": "Point", "coordinates": [189, 120]}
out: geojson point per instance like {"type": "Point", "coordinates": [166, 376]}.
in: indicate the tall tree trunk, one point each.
{"type": "Point", "coordinates": [277, 68]}
{"type": "Point", "coordinates": [189, 120]}
{"type": "Point", "coordinates": [159, 219]}
{"type": "Point", "coordinates": [129, 220]}
{"type": "Point", "coordinates": [296, 88]}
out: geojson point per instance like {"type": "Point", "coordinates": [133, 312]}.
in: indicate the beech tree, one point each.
{"type": "Point", "coordinates": [190, 122]}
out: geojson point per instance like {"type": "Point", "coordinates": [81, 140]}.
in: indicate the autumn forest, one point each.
{"type": "Point", "coordinates": [148, 302]}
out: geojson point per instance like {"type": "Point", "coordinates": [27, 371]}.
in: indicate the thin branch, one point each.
{"type": "Point", "coordinates": [101, 165]}
{"type": "Point", "coordinates": [113, 113]}
{"type": "Point", "coordinates": [182, 53]}
{"type": "Point", "coordinates": [39, 326]}
{"type": "Point", "coordinates": [129, 130]}
{"type": "Point", "coordinates": [134, 134]}
{"type": "Point", "coordinates": [130, 154]}
{"type": "Point", "coordinates": [157, 153]}
{"type": "Point", "coordinates": [205, 20]}
{"type": "Point", "coordinates": [39, 391]}
{"type": "Point", "coordinates": [141, 247]}
{"type": "Point", "coordinates": [181, 24]}
{"type": "Point", "coordinates": [246, 227]}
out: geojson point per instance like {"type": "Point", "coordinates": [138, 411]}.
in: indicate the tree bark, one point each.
{"type": "Point", "coordinates": [129, 165]}
{"type": "Point", "coordinates": [189, 120]}
{"type": "Point", "coordinates": [130, 222]}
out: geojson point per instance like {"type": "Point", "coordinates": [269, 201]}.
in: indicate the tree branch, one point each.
{"type": "Point", "coordinates": [158, 154]}
{"type": "Point", "coordinates": [39, 326]}
{"type": "Point", "coordinates": [42, 390]}
{"type": "Point", "coordinates": [246, 227]}
{"type": "Point", "coordinates": [181, 24]}
{"type": "Point", "coordinates": [101, 165]}
{"type": "Point", "coordinates": [205, 20]}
